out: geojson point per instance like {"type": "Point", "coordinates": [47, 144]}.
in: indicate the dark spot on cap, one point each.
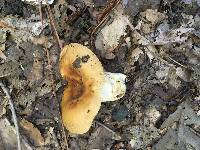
{"type": "Point", "coordinates": [120, 95]}
{"type": "Point", "coordinates": [77, 63]}
{"type": "Point", "coordinates": [85, 58]}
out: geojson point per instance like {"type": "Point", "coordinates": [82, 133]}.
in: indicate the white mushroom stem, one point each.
{"type": "Point", "coordinates": [114, 87]}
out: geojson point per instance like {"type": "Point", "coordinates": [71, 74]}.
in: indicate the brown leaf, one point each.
{"type": "Point", "coordinates": [2, 55]}
{"type": "Point", "coordinates": [32, 132]}
{"type": "Point", "coordinates": [5, 25]}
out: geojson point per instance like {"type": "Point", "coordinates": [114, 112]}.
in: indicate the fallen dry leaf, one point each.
{"type": "Point", "coordinates": [166, 35]}
{"type": "Point", "coordinates": [5, 25]}
{"type": "Point", "coordinates": [153, 16]}
{"type": "Point", "coordinates": [109, 37]}
{"type": "Point", "coordinates": [185, 116]}
{"type": "Point", "coordinates": [50, 138]}
{"type": "Point", "coordinates": [149, 19]}
{"type": "Point", "coordinates": [2, 55]}
{"type": "Point", "coordinates": [8, 137]}
{"type": "Point", "coordinates": [37, 69]}
{"type": "Point", "coordinates": [32, 133]}
{"type": "Point", "coordinates": [43, 40]}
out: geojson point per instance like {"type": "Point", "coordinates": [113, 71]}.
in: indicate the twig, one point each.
{"type": "Point", "coordinates": [101, 124]}
{"type": "Point", "coordinates": [41, 15]}
{"type": "Point", "coordinates": [112, 4]}
{"type": "Point", "coordinates": [5, 90]}
{"type": "Point", "coordinates": [151, 48]}
{"type": "Point", "coordinates": [54, 94]}
{"type": "Point", "coordinates": [115, 135]}
{"type": "Point", "coordinates": [65, 146]}
{"type": "Point", "coordinates": [50, 69]}
{"type": "Point", "coordinates": [177, 62]}
{"type": "Point", "coordinates": [51, 18]}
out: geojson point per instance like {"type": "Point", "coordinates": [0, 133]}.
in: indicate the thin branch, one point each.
{"type": "Point", "coordinates": [5, 90]}
{"type": "Point", "coordinates": [101, 124]}
{"type": "Point", "coordinates": [65, 146]}
{"type": "Point", "coordinates": [50, 69]}
{"type": "Point", "coordinates": [111, 5]}
{"type": "Point", "coordinates": [177, 62]}
{"type": "Point", "coordinates": [115, 135]}
{"type": "Point", "coordinates": [41, 14]}
{"type": "Point", "coordinates": [51, 18]}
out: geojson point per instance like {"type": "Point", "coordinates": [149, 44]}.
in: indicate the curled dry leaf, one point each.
{"type": "Point", "coordinates": [108, 38]}
{"type": "Point", "coordinates": [162, 73]}
{"type": "Point", "coordinates": [167, 35]}
{"type": "Point", "coordinates": [50, 138]}
{"type": "Point", "coordinates": [8, 136]}
{"type": "Point", "coordinates": [22, 29]}
{"type": "Point", "coordinates": [167, 73]}
{"type": "Point", "coordinates": [43, 40]}
{"type": "Point", "coordinates": [32, 133]}
{"type": "Point", "coordinates": [135, 54]}
{"type": "Point", "coordinates": [149, 19]}
{"type": "Point", "coordinates": [2, 55]}
{"type": "Point", "coordinates": [183, 74]}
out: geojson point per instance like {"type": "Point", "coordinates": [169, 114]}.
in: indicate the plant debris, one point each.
{"type": "Point", "coordinates": [154, 43]}
{"type": "Point", "coordinates": [32, 133]}
{"type": "Point", "coordinates": [108, 38]}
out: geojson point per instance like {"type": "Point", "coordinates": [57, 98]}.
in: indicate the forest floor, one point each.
{"type": "Point", "coordinates": [155, 43]}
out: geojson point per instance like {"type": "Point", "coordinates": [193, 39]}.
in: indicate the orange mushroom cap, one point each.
{"type": "Point", "coordinates": [81, 99]}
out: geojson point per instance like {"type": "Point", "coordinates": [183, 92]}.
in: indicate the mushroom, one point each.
{"type": "Point", "coordinates": [87, 86]}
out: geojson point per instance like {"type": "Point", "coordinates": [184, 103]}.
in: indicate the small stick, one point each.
{"type": "Point", "coordinates": [105, 14]}
{"type": "Point", "coordinates": [177, 62]}
{"type": "Point", "coordinates": [54, 94]}
{"type": "Point", "coordinates": [51, 18]}
{"type": "Point", "coordinates": [157, 56]}
{"type": "Point", "coordinates": [101, 124]}
{"type": "Point", "coordinates": [115, 135]}
{"type": "Point", "coordinates": [5, 90]}
{"type": "Point", "coordinates": [41, 15]}
{"type": "Point", "coordinates": [50, 66]}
